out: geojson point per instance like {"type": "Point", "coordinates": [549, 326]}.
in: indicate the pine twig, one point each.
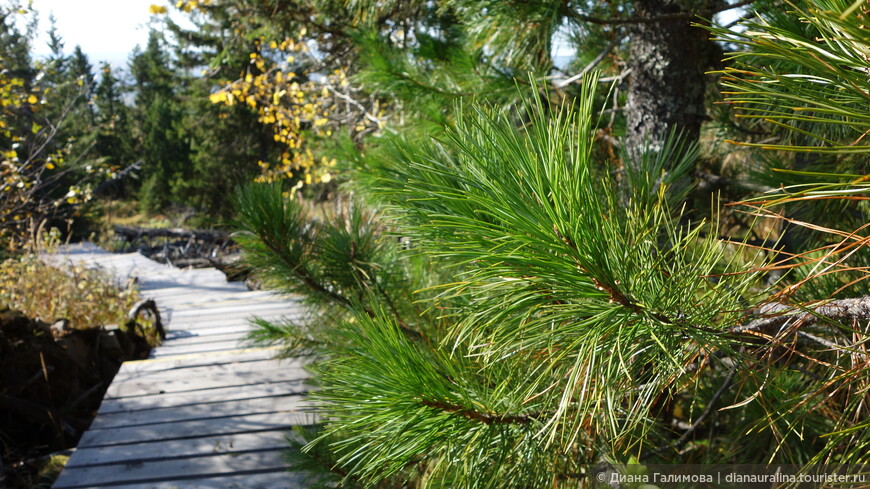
{"type": "Point", "coordinates": [485, 418]}
{"type": "Point", "coordinates": [592, 64]}
{"type": "Point", "coordinates": [304, 276]}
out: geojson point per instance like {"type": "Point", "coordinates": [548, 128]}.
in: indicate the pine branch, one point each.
{"type": "Point", "coordinates": [616, 296]}
{"type": "Point", "coordinates": [305, 277]}
{"type": "Point", "coordinates": [485, 418]}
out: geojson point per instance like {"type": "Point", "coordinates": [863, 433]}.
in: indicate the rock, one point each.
{"type": "Point", "coordinates": [60, 327]}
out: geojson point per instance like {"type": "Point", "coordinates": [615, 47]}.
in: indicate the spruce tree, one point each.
{"type": "Point", "coordinates": [114, 140]}
{"type": "Point", "coordinates": [82, 72]}
{"type": "Point", "coordinates": [165, 149]}
{"type": "Point", "coordinates": [227, 142]}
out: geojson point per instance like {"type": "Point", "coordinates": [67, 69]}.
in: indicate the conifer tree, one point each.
{"type": "Point", "coordinates": [80, 69]}
{"type": "Point", "coordinates": [164, 147]}
{"type": "Point", "coordinates": [543, 323]}
{"type": "Point", "coordinates": [227, 142]}
{"type": "Point", "coordinates": [70, 99]}
{"type": "Point", "coordinates": [114, 140]}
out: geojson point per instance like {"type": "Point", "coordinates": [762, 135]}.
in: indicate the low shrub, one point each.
{"type": "Point", "coordinates": [84, 297]}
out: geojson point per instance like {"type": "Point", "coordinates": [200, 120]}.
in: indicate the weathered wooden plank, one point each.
{"type": "Point", "coordinates": [205, 410]}
{"type": "Point", "coordinates": [179, 399]}
{"type": "Point", "coordinates": [199, 359]}
{"type": "Point", "coordinates": [211, 347]}
{"type": "Point", "coordinates": [218, 325]}
{"type": "Point", "coordinates": [248, 307]}
{"type": "Point", "coordinates": [195, 428]}
{"type": "Point", "coordinates": [209, 327]}
{"type": "Point", "coordinates": [278, 479]}
{"type": "Point", "coordinates": [242, 326]}
{"type": "Point", "coordinates": [132, 266]}
{"type": "Point", "coordinates": [228, 463]}
{"type": "Point", "coordinates": [240, 294]}
{"type": "Point", "coordinates": [215, 320]}
{"type": "Point", "coordinates": [193, 297]}
{"type": "Point", "coordinates": [185, 383]}
{"type": "Point", "coordinates": [215, 328]}
{"type": "Point", "coordinates": [201, 276]}
{"type": "Point", "coordinates": [173, 278]}
{"type": "Point", "coordinates": [197, 371]}
{"type": "Point", "coordinates": [207, 315]}
{"type": "Point", "coordinates": [182, 337]}
{"type": "Point", "coordinates": [185, 294]}
{"type": "Point", "coordinates": [159, 449]}
{"type": "Point", "coordinates": [240, 290]}
{"type": "Point", "coordinates": [272, 308]}
{"type": "Point", "coordinates": [154, 283]}
{"type": "Point", "coordinates": [209, 319]}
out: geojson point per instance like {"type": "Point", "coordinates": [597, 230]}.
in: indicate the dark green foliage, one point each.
{"type": "Point", "coordinates": [344, 259]}
{"type": "Point", "coordinates": [114, 139]}
{"type": "Point", "coordinates": [396, 404]}
{"type": "Point", "coordinates": [432, 78]}
{"type": "Point", "coordinates": [225, 145]}
{"type": "Point", "coordinates": [165, 150]}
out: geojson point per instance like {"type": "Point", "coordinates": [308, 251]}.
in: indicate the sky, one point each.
{"type": "Point", "coordinates": [107, 30]}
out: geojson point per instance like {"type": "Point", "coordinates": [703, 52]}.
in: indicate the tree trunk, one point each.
{"type": "Point", "coordinates": [668, 57]}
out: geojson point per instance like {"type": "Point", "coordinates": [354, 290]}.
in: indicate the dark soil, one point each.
{"type": "Point", "coordinates": [52, 380]}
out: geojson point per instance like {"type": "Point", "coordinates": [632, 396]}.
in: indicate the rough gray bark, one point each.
{"type": "Point", "coordinates": [668, 58]}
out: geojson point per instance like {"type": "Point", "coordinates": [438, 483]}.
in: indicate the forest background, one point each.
{"type": "Point", "coordinates": [657, 252]}
{"type": "Point", "coordinates": [283, 91]}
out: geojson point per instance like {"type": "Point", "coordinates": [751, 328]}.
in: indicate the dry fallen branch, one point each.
{"type": "Point", "coordinates": [776, 315]}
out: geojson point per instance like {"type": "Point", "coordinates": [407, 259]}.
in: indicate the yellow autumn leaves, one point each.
{"type": "Point", "coordinates": [183, 5]}
{"type": "Point", "coordinates": [295, 109]}
{"type": "Point", "coordinates": [22, 172]}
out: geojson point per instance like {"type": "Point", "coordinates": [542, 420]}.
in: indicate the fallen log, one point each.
{"type": "Point", "coordinates": [210, 235]}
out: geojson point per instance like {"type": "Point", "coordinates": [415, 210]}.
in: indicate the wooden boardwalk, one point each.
{"type": "Point", "coordinates": [204, 411]}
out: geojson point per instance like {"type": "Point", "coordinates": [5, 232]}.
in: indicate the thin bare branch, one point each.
{"type": "Point", "coordinates": [592, 64]}
{"type": "Point", "coordinates": [776, 315]}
